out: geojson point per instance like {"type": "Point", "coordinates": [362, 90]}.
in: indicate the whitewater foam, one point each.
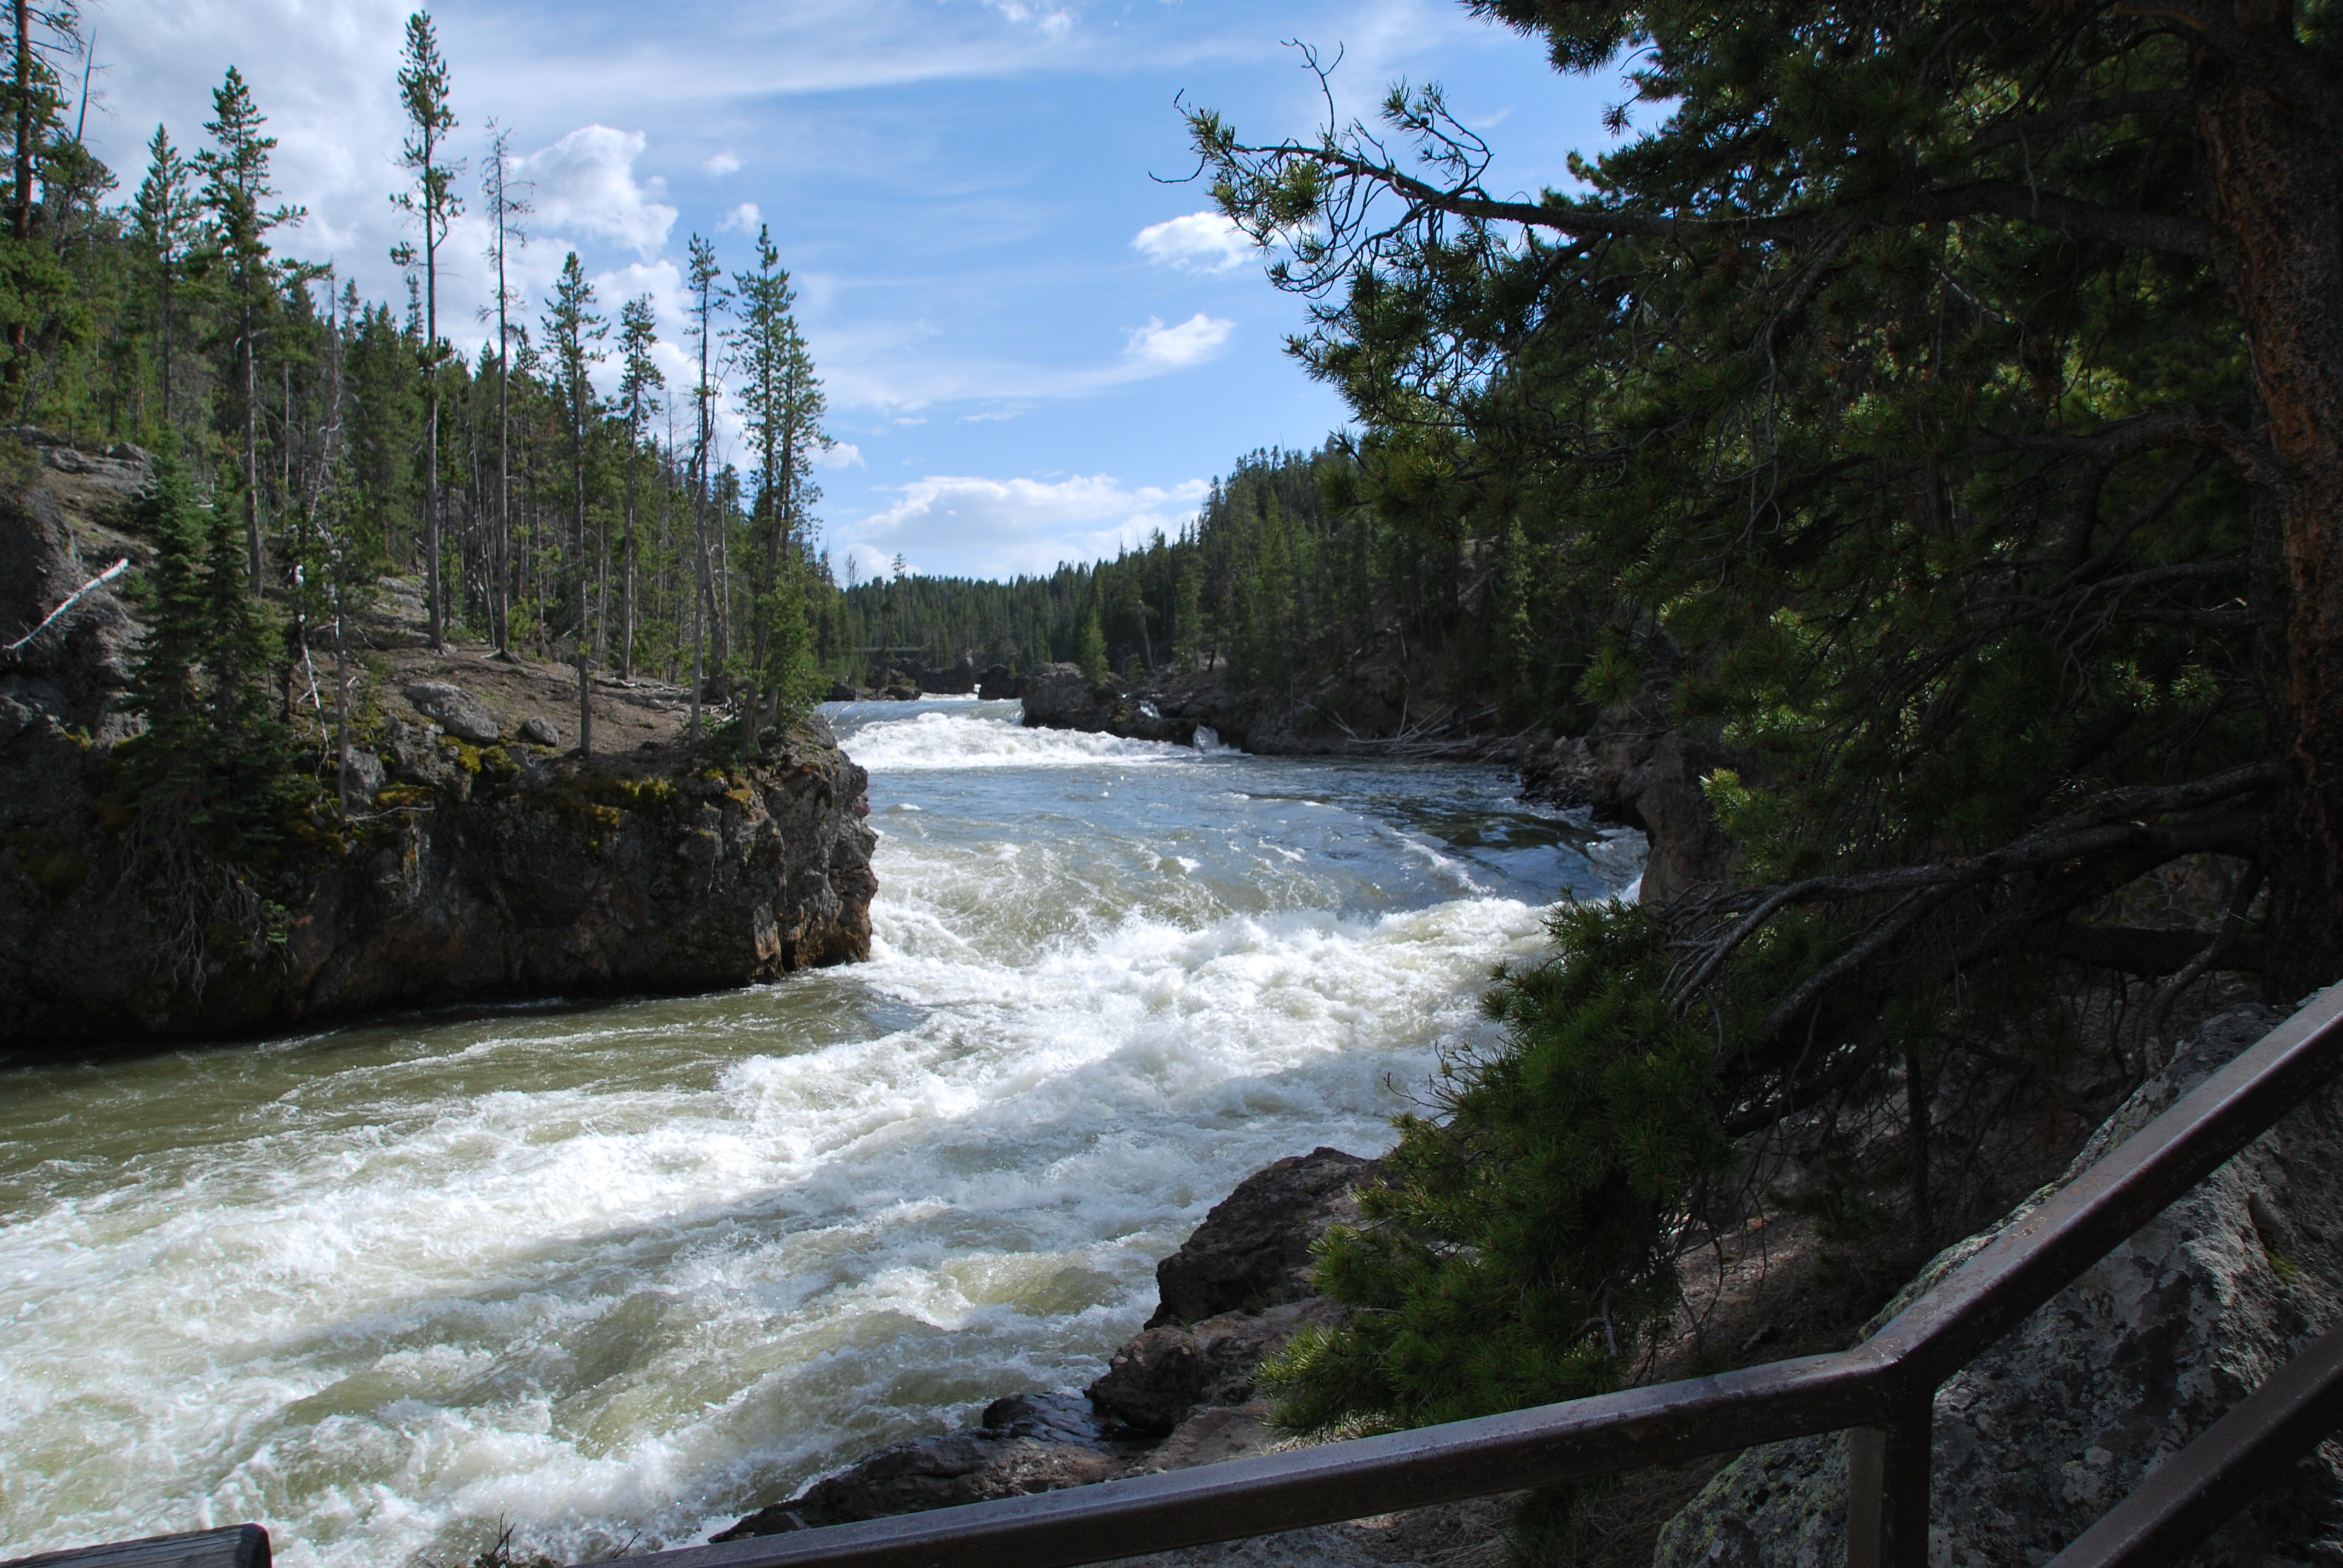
{"type": "Point", "coordinates": [955, 741]}
{"type": "Point", "coordinates": [617, 1274]}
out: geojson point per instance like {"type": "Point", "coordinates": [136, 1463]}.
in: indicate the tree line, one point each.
{"type": "Point", "coordinates": [1286, 577]}
{"type": "Point", "coordinates": [350, 440]}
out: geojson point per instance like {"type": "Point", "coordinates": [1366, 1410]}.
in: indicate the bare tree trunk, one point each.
{"type": "Point", "coordinates": [2280, 247]}
{"type": "Point", "coordinates": [251, 448]}
{"type": "Point", "coordinates": [627, 566]}
{"type": "Point", "coordinates": [431, 585]}
{"type": "Point", "coordinates": [579, 395]}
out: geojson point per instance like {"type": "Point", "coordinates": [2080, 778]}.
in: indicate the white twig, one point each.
{"type": "Point", "coordinates": [107, 575]}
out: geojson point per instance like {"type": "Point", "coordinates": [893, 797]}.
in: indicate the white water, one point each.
{"type": "Point", "coordinates": [617, 1274]}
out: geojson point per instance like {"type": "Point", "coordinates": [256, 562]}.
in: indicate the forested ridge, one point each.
{"type": "Point", "coordinates": [1279, 581]}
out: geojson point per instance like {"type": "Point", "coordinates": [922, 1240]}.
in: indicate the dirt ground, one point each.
{"type": "Point", "coordinates": [638, 724]}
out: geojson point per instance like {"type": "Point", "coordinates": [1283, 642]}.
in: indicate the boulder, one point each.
{"type": "Point", "coordinates": [954, 680]}
{"type": "Point", "coordinates": [539, 732]}
{"type": "Point", "coordinates": [844, 691]}
{"type": "Point", "coordinates": [1034, 1442]}
{"type": "Point", "coordinates": [2050, 1427]}
{"type": "Point", "coordinates": [454, 710]}
{"type": "Point", "coordinates": [998, 684]}
{"type": "Point", "coordinates": [1253, 1251]}
{"type": "Point", "coordinates": [1162, 1375]}
{"type": "Point", "coordinates": [1153, 1381]}
{"type": "Point", "coordinates": [1061, 696]}
{"type": "Point", "coordinates": [1636, 768]}
{"type": "Point", "coordinates": [364, 775]}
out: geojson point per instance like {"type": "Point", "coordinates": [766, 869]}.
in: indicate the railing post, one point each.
{"type": "Point", "coordinates": [1887, 1489]}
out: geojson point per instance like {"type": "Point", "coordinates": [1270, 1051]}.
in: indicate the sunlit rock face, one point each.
{"type": "Point", "coordinates": [2055, 1423]}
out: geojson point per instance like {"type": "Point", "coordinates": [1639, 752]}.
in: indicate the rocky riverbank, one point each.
{"type": "Point", "coordinates": [1178, 1394]}
{"type": "Point", "coordinates": [1632, 768]}
{"type": "Point", "coordinates": [478, 859]}
{"type": "Point", "coordinates": [2035, 1439]}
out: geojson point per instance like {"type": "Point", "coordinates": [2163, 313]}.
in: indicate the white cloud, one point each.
{"type": "Point", "coordinates": [1048, 21]}
{"type": "Point", "coordinates": [1020, 524]}
{"type": "Point", "coordinates": [722, 164]}
{"type": "Point", "coordinates": [1198, 242]}
{"type": "Point", "coordinates": [743, 218]}
{"type": "Point", "coordinates": [587, 181]}
{"type": "Point", "coordinates": [840, 455]}
{"type": "Point", "coordinates": [1191, 342]}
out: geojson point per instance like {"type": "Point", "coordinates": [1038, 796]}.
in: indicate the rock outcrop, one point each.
{"type": "Point", "coordinates": [468, 871]}
{"type": "Point", "coordinates": [1634, 769]}
{"type": "Point", "coordinates": [2046, 1430]}
{"type": "Point", "coordinates": [1030, 1442]}
{"type": "Point", "coordinates": [1253, 1251]}
{"type": "Point", "coordinates": [1061, 696]}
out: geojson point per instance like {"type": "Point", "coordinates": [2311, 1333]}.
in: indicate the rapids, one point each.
{"type": "Point", "coordinates": [616, 1273]}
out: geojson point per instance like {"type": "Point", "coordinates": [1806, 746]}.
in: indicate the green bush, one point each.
{"type": "Point", "coordinates": [1521, 1243]}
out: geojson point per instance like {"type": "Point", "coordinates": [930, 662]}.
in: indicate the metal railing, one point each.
{"type": "Point", "coordinates": [1884, 1390]}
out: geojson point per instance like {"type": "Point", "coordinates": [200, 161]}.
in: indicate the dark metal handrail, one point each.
{"type": "Point", "coordinates": [1883, 1388]}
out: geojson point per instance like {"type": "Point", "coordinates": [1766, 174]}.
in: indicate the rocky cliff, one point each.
{"type": "Point", "coordinates": [478, 859]}
{"type": "Point", "coordinates": [2048, 1428]}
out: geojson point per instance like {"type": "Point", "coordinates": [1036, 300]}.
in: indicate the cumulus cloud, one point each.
{"type": "Point", "coordinates": [999, 526]}
{"type": "Point", "coordinates": [722, 164]}
{"type": "Point", "coordinates": [840, 455]}
{"type": "Point", "coordinates": [743, 218]}
{"type": "Point", "coordinates": [1191, 342]}
{"type": "Point", "coordinates": [1198, 242]}
{"type": "Point", "coordinates": [586, 181]}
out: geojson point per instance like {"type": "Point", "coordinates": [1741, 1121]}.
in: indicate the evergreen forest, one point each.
{"type": "Point", "coordinates": [342, 441]}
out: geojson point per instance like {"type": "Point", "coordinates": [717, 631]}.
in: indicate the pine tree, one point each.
{"type": "Point", "coordinates": [704, 279]}
{"type": "Point", "coordinates": [1186, 615]}
{"type": "Point", "coordinates": [235, 191]}
{"type": "Point", "coordinates": [572, 331]}
{"type": "Point", "coordinates": [214, 759]}
{"type": "Point", "coordinates": [781, 400]}
{"type": "Point", "coordinates": [170, 761]}
{"type": "Point", "coordinates": [507, 204]}
{"type": "Point", "coordinates": [432, 204]}
{"type": "Point", "coordinates": [639, 381]}
{"type": "Point", "coordinates": [1090, 644]}
{"type": "Point", "coordinates": [34, 286]}
{"type": "Point", "coordinates": [168, 218]}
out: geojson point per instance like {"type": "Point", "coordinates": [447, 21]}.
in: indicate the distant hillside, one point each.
{"type": "Point", "coordinates": [1286, 587]}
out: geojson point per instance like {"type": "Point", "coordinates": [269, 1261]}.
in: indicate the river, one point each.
{"type": "Point", "coordinates": [616, 1273]}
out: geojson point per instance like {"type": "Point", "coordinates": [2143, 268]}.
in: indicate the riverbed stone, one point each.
{"type": "Point", "coordinates": [2051, 1427]}
{"type": "Point", "coordinates": [1153, 1381]}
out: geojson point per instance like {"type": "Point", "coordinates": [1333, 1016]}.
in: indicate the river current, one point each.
{"type": "Point", "coordinates": [614, 1275]}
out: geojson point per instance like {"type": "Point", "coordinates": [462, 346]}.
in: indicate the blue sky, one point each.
{"type": "Point", "coordinates": [1034, 351]}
